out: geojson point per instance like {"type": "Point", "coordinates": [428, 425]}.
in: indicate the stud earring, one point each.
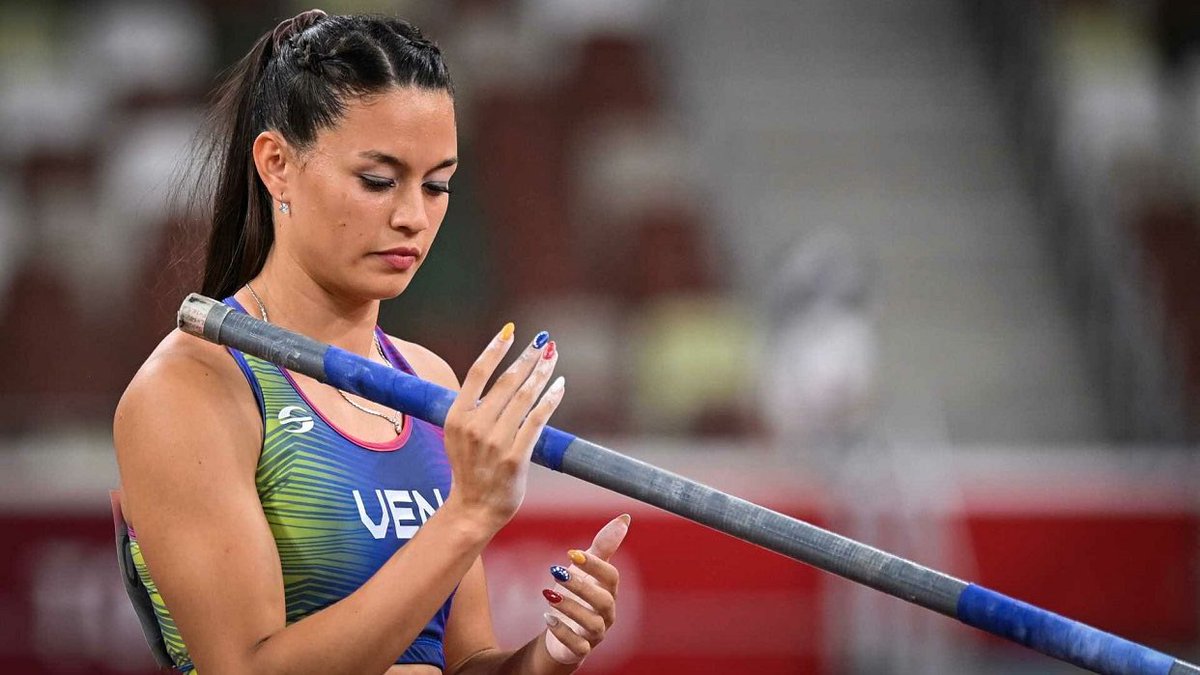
{"type": "Point", "coordinates": [284, 207]}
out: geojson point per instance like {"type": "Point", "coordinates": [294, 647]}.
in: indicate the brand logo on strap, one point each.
{"type": "Point", "coordinates": [298, 416]}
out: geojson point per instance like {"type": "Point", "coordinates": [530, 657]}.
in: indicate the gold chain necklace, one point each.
{"type": "Point", "coordinates": [396, 420]}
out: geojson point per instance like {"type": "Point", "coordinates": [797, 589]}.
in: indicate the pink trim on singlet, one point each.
{"type": "Point", "coordinates": [394, 444]}
{"type": "Point", "coordinates": [397, 361]}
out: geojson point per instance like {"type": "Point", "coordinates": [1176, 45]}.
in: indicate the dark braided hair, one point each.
{"type": "Point", "coordinates": [296, 80]}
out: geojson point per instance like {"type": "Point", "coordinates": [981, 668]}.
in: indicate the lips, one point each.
{"type": "Point", "coordinates": [403, 250]}
{"type": "Point", "coordinates": [400, 258]}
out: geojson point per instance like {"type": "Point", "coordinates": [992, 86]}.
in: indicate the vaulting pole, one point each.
{"type": "Point", "coordinates": [1036, 628]}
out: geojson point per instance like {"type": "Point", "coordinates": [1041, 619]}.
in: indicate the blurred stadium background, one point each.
{"type": "Point", "coordinates": [923, 272]}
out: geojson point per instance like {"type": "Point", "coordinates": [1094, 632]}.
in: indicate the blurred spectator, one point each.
{"type": "Point", "coordinates": [818, 374]}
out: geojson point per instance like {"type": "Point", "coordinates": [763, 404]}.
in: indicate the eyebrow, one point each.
{"type": "Point", "coordinates": [396, 162]}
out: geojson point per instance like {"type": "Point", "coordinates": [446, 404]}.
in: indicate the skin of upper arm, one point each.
{"type": "Point", "coordinates": [187, 436]}
{"type": "Point", "coordinates": [469, 630]}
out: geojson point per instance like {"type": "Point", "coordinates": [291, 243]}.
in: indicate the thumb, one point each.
{"type": "Point", "coordinates": [609, 538]}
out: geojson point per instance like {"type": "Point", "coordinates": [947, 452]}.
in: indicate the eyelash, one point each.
{"type": "Point", "coordinates": [376, 184]}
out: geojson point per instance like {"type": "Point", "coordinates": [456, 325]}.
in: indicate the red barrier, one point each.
{"type": "Point", "coordinates": [692, 601]}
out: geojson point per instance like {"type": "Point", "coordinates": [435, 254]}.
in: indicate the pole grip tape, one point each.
{"type": "Point", "coordinates": [1058, 636]}
{"type": "Point", "coordinates": [418, 398]}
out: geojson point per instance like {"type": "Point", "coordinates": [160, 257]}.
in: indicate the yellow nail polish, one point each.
{"type": "Point", "coordinates": [506, 333]}
{"type": "Point", "coordinates": [577, 556]}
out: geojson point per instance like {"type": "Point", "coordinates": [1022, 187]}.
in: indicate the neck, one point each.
{"type": "Point", "coordinates": [296, 301]}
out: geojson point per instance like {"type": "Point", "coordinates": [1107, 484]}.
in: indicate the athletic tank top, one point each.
{"type": "Point", "coordinates": [338, 507]}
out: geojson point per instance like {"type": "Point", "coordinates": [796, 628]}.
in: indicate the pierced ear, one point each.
{"type": "Point", "coordinates": [272, 157]}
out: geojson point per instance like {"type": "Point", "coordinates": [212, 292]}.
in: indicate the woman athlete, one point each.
{"type": "Point", "coordinates": [285, 526]}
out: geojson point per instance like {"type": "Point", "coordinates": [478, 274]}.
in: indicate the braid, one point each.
{"type": "Point", "coordinates": [304, 53]}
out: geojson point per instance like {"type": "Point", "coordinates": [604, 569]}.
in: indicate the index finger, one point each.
{"type": "Point", "coordinates": [481, 371]}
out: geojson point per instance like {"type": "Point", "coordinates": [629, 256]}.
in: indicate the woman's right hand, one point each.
{"type": "Point", "coordinates": [489, 439]}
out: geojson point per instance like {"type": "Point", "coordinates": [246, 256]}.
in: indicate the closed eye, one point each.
{"type": "Point", "coordinates": [438, 187]}
{"type": "Point", "coordinates": [377, 183]}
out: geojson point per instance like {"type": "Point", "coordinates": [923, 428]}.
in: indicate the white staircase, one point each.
{"type": "Point", "coordinates": [876, 119]}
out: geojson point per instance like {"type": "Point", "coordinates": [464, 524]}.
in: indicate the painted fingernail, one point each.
{"type": "Point", "coordinates": [540, 340]}
{"type": "Point", "coordinates": [549, 353]}
{"type": "Point", "coordinates": [577, 556]}
{"type": "Point", "coordinates": [506, 333]}
{"type": "Point", "coordinates": [557, 386]}
{"type": "Point", "coordinates": [551, 620]}
{"type": "Point", "coordinates": [627, 518]}
{"type": "Point", "coordinates": [559, 572]}
{"type": "Point", "coordinates": [550, 595]}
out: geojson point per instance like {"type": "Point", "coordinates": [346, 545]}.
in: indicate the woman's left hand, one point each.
{"type": "Point", "coordinates": [584, 603]}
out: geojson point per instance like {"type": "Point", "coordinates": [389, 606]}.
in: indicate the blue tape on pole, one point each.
{"type": "Point", "coordinates": [391, 387]}
{"type": "Point", "coordinates": [1058, 636]}
{"type": "Point", "coordinates": [421, 399]}
{"type": "Point", "coordinates": [551, 447]}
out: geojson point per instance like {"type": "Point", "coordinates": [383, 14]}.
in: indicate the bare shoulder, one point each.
{"type": "Point", "coordinates": [187, 405]}
{"type": "Point", "coordinates": [428, 365]}
{"type": "Point", "coordinates": [183, 366]}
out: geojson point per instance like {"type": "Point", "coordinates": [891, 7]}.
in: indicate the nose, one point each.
{"type": "Point", "coordinates": [408, 212]}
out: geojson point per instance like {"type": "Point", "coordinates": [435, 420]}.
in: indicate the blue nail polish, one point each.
{"type": "Point", "coordinates": [559, 572]}
{"type": "Point", "coordinates": [540, 340]}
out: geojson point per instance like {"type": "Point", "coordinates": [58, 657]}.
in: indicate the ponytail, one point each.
{"type": "Point", "coordinates": [241, 214]}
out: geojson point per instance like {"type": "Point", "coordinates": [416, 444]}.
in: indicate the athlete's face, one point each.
{"type": "Point", "coordinates": [367, 198]}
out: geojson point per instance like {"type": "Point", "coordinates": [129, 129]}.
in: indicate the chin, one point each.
{"type": "Point", "coordinates": [376, 285]}
{"type": "Point", "coordinates": [388, 288]}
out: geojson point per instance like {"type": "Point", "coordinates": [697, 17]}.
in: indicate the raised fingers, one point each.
{"type": "Point", "coordinates": [526, 395]}
{"type": "Point", "coordinates": [512, 378]}
{"type": "Point", "coordinates": [598, 598]}
{"type": "Point", "coordinates": [603, 572]}
{"type": "Point", "coordinates": [590, 622]}
{"type": "Point", "coordinates": [481, 371]}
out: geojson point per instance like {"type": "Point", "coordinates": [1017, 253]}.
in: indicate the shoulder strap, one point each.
{"type": "Point", "coordinates": [240, 358]}
{"type": "Point", "coordinates": [393, 355]}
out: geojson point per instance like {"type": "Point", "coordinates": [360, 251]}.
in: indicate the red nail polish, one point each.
{"type": "Point", "coordinates": [553, 597]}
{"type": "Point", "coordinates": [549, 354]}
